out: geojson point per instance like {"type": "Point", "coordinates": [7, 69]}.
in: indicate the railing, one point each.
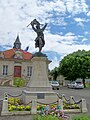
{"type": "Point", "coordinates": [14, 95]}
{"type": "Point", "coordinates": [6, 79]}
{"type": "Point", "coordinates": [9, 78]}
{"type": "Point", "coordinates": [70, 101]}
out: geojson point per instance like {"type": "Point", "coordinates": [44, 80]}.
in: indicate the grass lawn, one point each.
{"type": "Point", "coordinates": [81, 117]}
{"type": "Point", "coordinates": [48, 117]}
{"type": "Point", "coordinates": [87, 85]}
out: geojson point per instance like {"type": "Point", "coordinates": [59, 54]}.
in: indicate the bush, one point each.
{"type": "Point", "coordinates": [28, 108]}
{"type": "Point", "coordinates": [14, 101]}
{"type": "Point", "coordinates": [20, 107]}
{"type": "Point", "coordinates": [74, 106]}
{"type": "Point", "coordinates": [18, 82]}
{"type": "Point", "coordinates": [16, 104]}
{"type": "Point", "coordinates": [11, 107]}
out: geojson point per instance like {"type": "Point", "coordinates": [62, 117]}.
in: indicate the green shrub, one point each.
{"type": "Point", "coordinates": [19, 82]}
{"type": "Point", "coordinates": [11, 107]}
{"type": "Point", "coordinates": [20, 107]}
{"type": "Point", "coordinates": [74, 106]}
{"type": "Point", "coordinates": [14, 101]}
{"type": "Point", "coordinates": [28, 108]}
{"type": "Point", "coordinates": [16, 104]}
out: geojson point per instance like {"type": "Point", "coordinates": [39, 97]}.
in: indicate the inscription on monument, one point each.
{"type": "Point", "coordinates": [40, 96]}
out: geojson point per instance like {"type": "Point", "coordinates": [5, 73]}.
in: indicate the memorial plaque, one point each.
{"type": "Point", "coordinates": [40, 95]}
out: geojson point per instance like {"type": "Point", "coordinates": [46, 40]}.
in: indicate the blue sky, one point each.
{"type": "Point", "coordinates": [68, 28]}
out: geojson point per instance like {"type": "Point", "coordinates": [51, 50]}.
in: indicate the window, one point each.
{"type": "Point", "coordinates": [5, 69]}
{"type": "Point", "coordinates": [29, 71]}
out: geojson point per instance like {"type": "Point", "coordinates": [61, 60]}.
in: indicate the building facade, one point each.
{"type": "Point", "coordinates": [15, 62]}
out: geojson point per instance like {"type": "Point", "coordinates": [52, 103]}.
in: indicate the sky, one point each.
{"type": "Point", "coordinates": [68, 28]}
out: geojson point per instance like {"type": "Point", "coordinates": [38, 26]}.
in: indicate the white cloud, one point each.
{"type": "Point", "coordinates": [88, 14]}
{"type": "Point", "coordinates": [15, 15]}
{"type": "Point", "coordinates": [69, 34]}
{"type": "Point", "coordinates": [80, 24]}
{"type": "Point", "coordinates": [87, 32]}
{"type": "Point", "coordinates": [81, 21]}
{"type": "Point", "coordinates": [76, 6]}
{"type": "Point", "coordinates": [84, 39]}
{"type": "Point", "coordinates": [55, 63]}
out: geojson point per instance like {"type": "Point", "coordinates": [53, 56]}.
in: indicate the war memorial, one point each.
{"type": "Point", "coordinates": [38, 89]}
{"type": "Point", "coordinates": [39, 86]}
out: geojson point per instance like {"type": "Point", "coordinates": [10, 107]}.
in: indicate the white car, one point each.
{"type": "Point", "coordinates": [76, 84]}
{"type": "Point", "coordinates": [54, 84]}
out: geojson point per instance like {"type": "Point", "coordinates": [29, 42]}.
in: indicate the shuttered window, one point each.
{"type": "Point", "coordinates": [5, 69]}
{"type": "Point", "coordinates": [29, 70]}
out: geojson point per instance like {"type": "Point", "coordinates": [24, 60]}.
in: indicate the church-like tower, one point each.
{"type": "Point", "coordinates": [17, 43]}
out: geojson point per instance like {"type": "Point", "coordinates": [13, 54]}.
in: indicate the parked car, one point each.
{"type": "Point", "coordinates": [55, 85]}
{"type": "Point", "coordinates": [76, 84]}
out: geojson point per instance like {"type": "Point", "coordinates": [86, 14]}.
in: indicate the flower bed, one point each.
{"type": "Point", "coordinates": [15, 104]}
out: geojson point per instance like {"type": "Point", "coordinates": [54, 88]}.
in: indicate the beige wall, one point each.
{"type": "Point", "coordinates": [11, 65]}
{"type": "Point", "coordinates": [61, 80]}
{"type": "Point", "coordinates": [24, 67]}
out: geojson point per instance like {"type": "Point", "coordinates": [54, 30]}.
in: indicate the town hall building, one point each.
{"type": "Point", "coordinates": [15, 62]}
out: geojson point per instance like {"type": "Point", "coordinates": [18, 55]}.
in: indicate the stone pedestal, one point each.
{"type": "Point", "coordinates": [83, 106]}
{"type": "Point", "coordinates": [5, 105]}
{"type": "Point", "coordinates": [39, 79]}
{"type": "Point", "coordinates": [39, 88]}
{"type": "Point", "coordinates": [34, 107]}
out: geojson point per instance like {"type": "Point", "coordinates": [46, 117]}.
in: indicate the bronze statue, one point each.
{"type": "Point", "coordinates": [39, 41]}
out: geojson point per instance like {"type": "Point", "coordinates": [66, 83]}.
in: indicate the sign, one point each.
{"type": "Point", "coordinates": [40, 95]}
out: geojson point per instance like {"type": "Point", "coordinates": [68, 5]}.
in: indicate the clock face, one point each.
{"type": "Point", "coordinates": [17, 45]}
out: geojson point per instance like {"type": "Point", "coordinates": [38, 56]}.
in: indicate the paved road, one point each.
{"type": "Point", "coordinates": [78, 94]}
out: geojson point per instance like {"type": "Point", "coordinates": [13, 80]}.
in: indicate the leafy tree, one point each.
{"type": "Point", "coordinates": [54, 73]}
{"type": "Point", "coordinates": [76, 65]}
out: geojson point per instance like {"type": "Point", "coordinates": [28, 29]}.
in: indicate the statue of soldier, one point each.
{"type": "Point", "coordinates": [39, 41]}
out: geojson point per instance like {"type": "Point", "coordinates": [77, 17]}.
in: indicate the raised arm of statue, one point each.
{"type": "Point", "coordinates": [44, 26]}
{"type": "Point", "coordinates": [32, 24]}
{"type": "Point", "coordinates": [34, 28]}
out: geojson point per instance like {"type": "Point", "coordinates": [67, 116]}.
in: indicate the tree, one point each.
{"type": "Point", "coordinates": [76, 65]}
{"type": "Point", "coordinates": [54, 73]}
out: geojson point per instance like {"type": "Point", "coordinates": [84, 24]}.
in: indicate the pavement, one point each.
{"type": "Point", "coordinates": [18, 117]}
